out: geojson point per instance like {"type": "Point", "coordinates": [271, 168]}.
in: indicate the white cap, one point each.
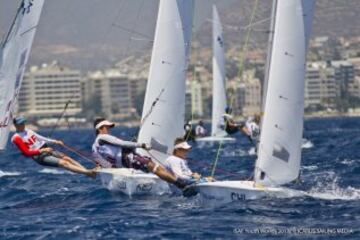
{"type": "Point", "coordinates": [104, 123]}
{"type": "Point", "coordinates": [182, 145]}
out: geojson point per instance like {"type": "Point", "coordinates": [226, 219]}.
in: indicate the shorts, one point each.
{"type": "Point", "coordinates": [49, 159]}
{"type": "Point", "coordinates": [231, 130]}
{"type": "Point", "coordinates": [136, 161]}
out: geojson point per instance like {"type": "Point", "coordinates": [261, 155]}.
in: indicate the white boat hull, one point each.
{"type": "Point", "coordinates": [229, 191]}
{"type": "Point", "coordinates": [216, 139]}
{"type": "Point", "coordinates": [132, 182]}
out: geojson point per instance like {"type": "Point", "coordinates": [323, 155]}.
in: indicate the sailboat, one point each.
{"type": "Point", "coordinates": [14, 54]}
{"type": "Point", "coordinates": [219, 86]}
{"type": "Point", "coordinates": [279, 157]}
{"type": "Point", "coordinates": [164, 107]}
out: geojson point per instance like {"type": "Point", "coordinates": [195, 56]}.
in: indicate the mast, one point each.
{"type": "Point", "coordinates": [164, 107]}
{"type": "Point", "coordinates": [14, 54]}
{"type": "Point", "coordinates": [268, 56]}
{"type": "Point", "coordinates": [280, 142]}
{"type": "Point", "coordinates": [219, 84]}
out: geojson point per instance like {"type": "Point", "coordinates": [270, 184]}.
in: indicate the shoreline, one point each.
{"type": "Point", "coordinates": [136, 123]}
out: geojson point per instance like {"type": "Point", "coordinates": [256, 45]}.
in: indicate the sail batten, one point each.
{"type": "Point", "coordinates": [219, 84]}
{"type": "Point", "coordinates": [280, 142]}
{"type": "Point", "coordinates": [14, 54]}
{"type": "Point", "coordinates": [164, 105]}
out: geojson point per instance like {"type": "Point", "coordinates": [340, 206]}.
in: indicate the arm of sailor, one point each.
{"type": "Point", "coordinates": [42, 138]}
{"type": "Point", "coordinates": [108, 139]}
{"type": "Point", "coordinates": [195, 175]}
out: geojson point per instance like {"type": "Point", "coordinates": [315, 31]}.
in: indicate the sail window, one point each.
{"type": "Point", "coordinates": [280, 152]}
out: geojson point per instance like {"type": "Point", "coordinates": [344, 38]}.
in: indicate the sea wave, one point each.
{"type": "Point", "coordinates": [4, 173]}
{"type": "Point", "coordinates": [332, 191]}
{"type": "Point", "coordinates": [53, 171]}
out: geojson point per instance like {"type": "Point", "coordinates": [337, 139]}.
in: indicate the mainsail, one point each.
{"type": "Point", "coordinates": [14, 54]}
{"type": "Point", "coordinates": [219, 88]}
{"type": "Point", "coordinates": [280, 143]}
{"type": "Point", "coordinates": [164, 106]}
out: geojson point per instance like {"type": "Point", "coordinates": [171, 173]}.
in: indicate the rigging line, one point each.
{"type": "Point", "coordinates": [196, 57]}
{"type": "Point", "coordinates": [62, 114]}
{"type": "Point", "coordinates": [241, 65]}
{"type": "Point", "coordinates": [80, 154]}
{"type": "Point", "coordinates": [132, 31]}
{"type": "Point", "coordinates": [192, 107]}
{"type": "Point", "coordinates": [128, 48]}
{"type": "Point", "coordinates": [108, 30]}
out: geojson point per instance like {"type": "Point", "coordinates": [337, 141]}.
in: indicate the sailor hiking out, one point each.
{"type": "Point", "coordinates": [177, 164]}
{"type": "Point", "coordinates": [200, 130]}
{"type": "Point", "coordinates": [35, 146]}
{"type": "Point", "coordinates": [112, 152]}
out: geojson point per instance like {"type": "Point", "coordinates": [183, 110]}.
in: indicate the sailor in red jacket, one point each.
{"type": "Point", "coordinates": [36, 146]}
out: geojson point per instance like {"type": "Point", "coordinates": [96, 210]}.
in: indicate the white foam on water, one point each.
{"type": "Point", "coordinates": [4, 173]}
{"type": "Point", "coordinates": [252, 151]}
{"type": "Point", "coordinates": [348, 162]}
{"type": "Point", "coordinates": [306, 144]}
{"type": "Point", "coordinates": [332, 191]}
{"type": "Point", "coordinates": [52, 171]}
{"type": "Point", "coordinates": [235, 153]}
{"type": "Point", "coordinates": [310, 167]}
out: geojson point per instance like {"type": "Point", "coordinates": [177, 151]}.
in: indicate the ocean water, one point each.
{"type": "Point", "coordinates": [45, 203]}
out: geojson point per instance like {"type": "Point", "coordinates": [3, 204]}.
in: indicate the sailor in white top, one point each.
{"type": "Point", "coordinates": [177, 163]}
{"type": "Point", "coordinates": [253, 128]}
{"type": "Point", "coordinates": [200, 129]}
{"type": "Point", "coordinates": [112, 152]}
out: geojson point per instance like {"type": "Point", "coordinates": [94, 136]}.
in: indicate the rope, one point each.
{"type": "Point", "coordinates": [77, 152]}
{"type": "Point", "coordinates": [192, 108]}
{"type": "Point", "coordinates": [241, 68]}
{"type": "Point", "coordinates": [61, 116]}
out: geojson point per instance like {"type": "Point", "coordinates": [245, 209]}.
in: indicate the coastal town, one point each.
{"type": "Point", "coordinates": [332, 86]}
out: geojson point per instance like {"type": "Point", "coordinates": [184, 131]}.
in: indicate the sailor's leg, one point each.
{"type": "Point", "coordinates": [74, 162]}
{"type": "Point", "coordinates": [68, 165]}
{"type": "Point", "coordinates": [161, 172]}
{"type": "Point", "coordinates": [66, 158]}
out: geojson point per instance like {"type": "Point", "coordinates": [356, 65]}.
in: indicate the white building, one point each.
{"type": "Point", "coordinates": [194, 99]}
{"type": "Point", "coordinates": [344, 76]}
{"type": "Point", "coordinates": [47, 89]}
{"type": "Point", "coordinates": [247, 99]}
{"type": "Point", "coordinates": [111, 90]}
{"type": "Point", "coordinates": [320, 85]}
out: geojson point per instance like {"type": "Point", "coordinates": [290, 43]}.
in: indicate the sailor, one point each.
{"type": "Point", "coordinates": [229, 124]}
{"type": "Point", "coordinates": [177, 164]}
{"type": "Point", "coordinates": [190, 133]}
{"type": "Point", "coordinates": [33, 145]}
{"type": "Point", "coordinates": [252, 128]}
{"type": "Point", "coordinates": [200, 130]}
{"type": "Point", "coordinates": [112, 152]}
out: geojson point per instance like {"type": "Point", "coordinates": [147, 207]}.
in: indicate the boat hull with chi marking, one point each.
{"type": "Point", "coordinates": [229, 191]}
{"type": "Point", "coordinates": [132, 182]}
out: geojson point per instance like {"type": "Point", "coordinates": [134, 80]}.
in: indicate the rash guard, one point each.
{"type": "Point", "coordinates": [30, 142]}
{"type": "Point", "coordinates": [178, 167]}
{"type": "Point", "coordinates": [107, 150]}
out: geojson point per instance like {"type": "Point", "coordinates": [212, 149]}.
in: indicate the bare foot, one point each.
{"type": "Point", "coordinates": [92, 174]}
{"type": "Point", "coordinates": [96, 169]}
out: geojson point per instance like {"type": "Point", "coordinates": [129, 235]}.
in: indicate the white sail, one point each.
{"type": "Point", "coordinates": [219, 88]}
{"type": "Point", "coordinates": [280, 143]}
{"type": "Point", "coordinates": [164, 107]}
{"type": "Point", "coordinates": [14, 54]}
